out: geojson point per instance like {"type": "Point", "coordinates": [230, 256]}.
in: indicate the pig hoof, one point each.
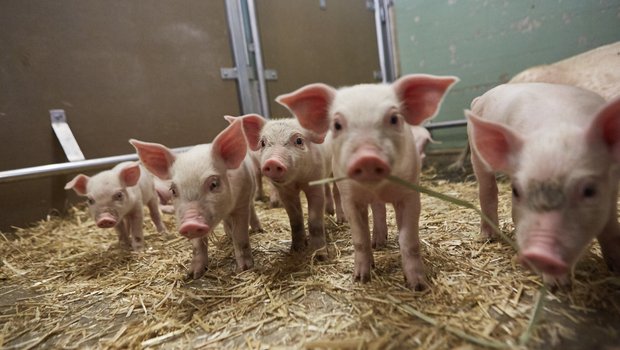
{"type": "Point", "coordinates": [196, 274]}
{"type": "Point", "coordinates": [245, 265]}
{"type": "Point", "coordinates": [418, 284]}
{"type": "Point", "coordinates": [362, 278]}
{"type": "Point", "coordinates": [321, 254]}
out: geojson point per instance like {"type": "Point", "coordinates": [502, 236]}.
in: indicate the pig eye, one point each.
{"type": "Point", "coordinates": [337, 125]}
{"type": "Point", "coordinates": [213, 184]}
{"type": "Point", "coordinates": [91, 201]}
{"type": "Point", "coordinates": [299, 141]}
{"type": "Point", "coordinates": [262, 143]}
{"type": "Point", "coordinates": [394, 119]}
{"type": "Point", "coordinates": [589, 191]}
{"type": "Point", "coordinates": [118, 196]}
{"type": "Point", "coordinates": [174, 192]}
{"type": "Point", "coordinates": [515, 192]}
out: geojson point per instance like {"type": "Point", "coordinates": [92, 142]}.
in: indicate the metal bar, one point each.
{"type": "Point", "coordinates": [67, 168]}
{"type": "Point", "coordinates": [258, 57]}
{"type": "Point", "coordinates": [380, 43]}
{"type": "Point", "coordinates": [239, 46]}
{"type": "Point", "coordinates": [446, 124]}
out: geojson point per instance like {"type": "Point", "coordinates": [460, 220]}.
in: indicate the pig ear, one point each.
{"type": "Point", "coordinates": [78, 184]}
{"type": "Point", "coordinates": [156, 158]}
{"type": "Point", "coordinates": [130, 174]}
{"type": "Point", "coordinates": [421, 95]}
{"type": "Point", "coordinates": [315, 138]}
{"type": "Point", "coordinates": [606, 125]}
{"type": "Point", "coordinates": [252, 125]}
{"type": "Point", "coordinates": [230, 118]}
{"type": "Point", "coordinates": [230, 145]}
{"type": "Point", "coordinates": [310, 105]}
{"type": "Point", "coordinates": [495, 143]}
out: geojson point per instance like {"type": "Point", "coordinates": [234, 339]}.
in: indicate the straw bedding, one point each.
{"type": "Point", "coordinates": [66, 284]}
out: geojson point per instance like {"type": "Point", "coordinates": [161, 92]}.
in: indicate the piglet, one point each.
{"type": "Point", "coordinates": [209, 183]}
{"type": "Point", "coordinates": [370, 127]}
{"type": "Point", "coordinates": [560, 145]}
{"type": "Point", "coordinates": [291, 157]}
{"type": "Point", "coordinates": [116, 198]}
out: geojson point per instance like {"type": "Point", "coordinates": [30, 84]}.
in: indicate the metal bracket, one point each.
{"type": "Point", "coordinates": [65, 136]}
{"type": "Point", "coordinates": [271, 74]}
{"type": "Point", "coordinates": [231, 74]}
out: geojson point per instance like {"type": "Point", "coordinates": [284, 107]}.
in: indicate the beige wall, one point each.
{"type": "Point", "coordinates": [120, 69]}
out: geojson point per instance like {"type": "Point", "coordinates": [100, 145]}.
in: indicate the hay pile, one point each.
{"type": "Point", "coordinates": [65, 284]}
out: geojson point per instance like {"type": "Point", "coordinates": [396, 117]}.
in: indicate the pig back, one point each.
{"type": "Point", "coordinates": [596, 70]}
{"type": "Point", "coordinates": [529, 107]}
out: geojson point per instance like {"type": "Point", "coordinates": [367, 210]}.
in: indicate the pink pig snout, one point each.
{"type": "Point", "coordinates": [106, 220]}
{"type": "Point", "coordinates": [274, 169]}
{"type": "Point", "coordinates": [542, 250]}
{"type": "Point", "coordinates": [542, 258]}
{"type": "Point", "coordinates": [193, 228]}
{"type": "Point", "coordinates": [368, 165]}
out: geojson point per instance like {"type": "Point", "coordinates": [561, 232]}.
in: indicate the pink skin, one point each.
{"type": "Point", "coordinates": [210, 184]}
{"type": "Point", "coordinates": [371, 140]}
{"type": "Point", "coordinates": [564, 171]}
{"type": "Point", "coordinates": [290, 159]}
{"type": "Point", "coordinates": [116, 198]}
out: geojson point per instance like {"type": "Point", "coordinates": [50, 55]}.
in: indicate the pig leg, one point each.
{"type": "Point", "coordinates": [609, 239]}
{"type": "Point", "coordinates": [135, 219]}
{"type": "Point", "coordinates": [199, 261]}
{"type": "Point", "coordinates": [236, 226]}
{"type": "Point", "coordinates": [329, 201]}
{"type": "Point", "coordinates": [379, 225]}
{"type": "Point", "coordinates": [254, 221]}
{"type": "Point", "coordinates": [408, 214]}
{"type": "Point", "coordinates": [487, 193]}
{"type": "Point", "coordinates": [274, 197]}
{"type": "Point", "coordinates": [260, 193]}
{"type": "Point", "coordinates": [340, 218]}
{"type": "Point", "coordinates": [316, 226]}
{"type": "Point", "coordinates": [360, 234]}
{"type": "Point", "coordinates": [153, 206]}
{"type": "Point", "coordinates": [123, 234]}
{"type": "Point", "coordinates": [292, 205]}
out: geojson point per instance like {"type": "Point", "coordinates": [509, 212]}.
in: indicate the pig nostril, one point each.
{"type": "Point", "coordinates": [379, 171]}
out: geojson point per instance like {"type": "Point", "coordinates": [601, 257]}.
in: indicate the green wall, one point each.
{"type": "Point", "coordinates": [486, 42]}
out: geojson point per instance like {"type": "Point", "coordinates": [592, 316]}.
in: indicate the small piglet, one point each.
{"type": "Point", "coordinates": [209, 183]}
{"type": "Point", "coordinates": [370, 127]}
{"type": "Point", "coordinates": [560, 145]}
{"type": "Point", "coordinates": [290, 157]}
{"type": "Point", "coordinates": [116, 198]}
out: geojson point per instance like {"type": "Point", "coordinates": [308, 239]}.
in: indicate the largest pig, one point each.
{"type": "Point", "coordinates": [560, 146]}
{"type": "Point", "coordinates": [371, 140]}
